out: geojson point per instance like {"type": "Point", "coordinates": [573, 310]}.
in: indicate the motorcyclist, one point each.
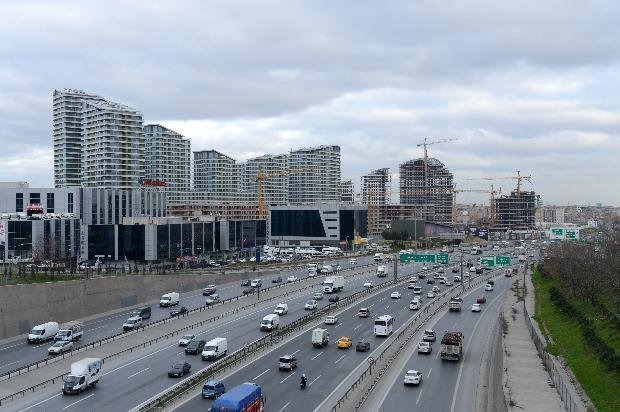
{"type": "Point", "coordinates": [304, 380]}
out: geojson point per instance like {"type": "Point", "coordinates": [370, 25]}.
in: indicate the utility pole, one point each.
{"type": "Point", "coordinates": [461, 272]}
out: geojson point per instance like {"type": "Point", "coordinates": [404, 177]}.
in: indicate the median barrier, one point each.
{"type": "Point", "coordinates": [149, 325]}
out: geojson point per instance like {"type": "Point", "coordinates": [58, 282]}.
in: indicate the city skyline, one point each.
{"type": "Point", "coordinates": [519, 91]}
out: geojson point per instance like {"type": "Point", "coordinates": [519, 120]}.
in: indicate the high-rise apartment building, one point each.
{"type": "Point", "coordinates": [113, 145]}
{"type": "Point", "coordinates": [168, 159]}
{"type": "Point", "coordinates": [376, 187]}
{"type": "Point", "coordinates": [216, 175]}
{"type": "Point", "coordinates": [67, 135]}
{"type": "Point", "coordinates": [314, 174]}
{"type": "Point", "coordinates": [275, 183]}
{"type": "Point", "coordinates": [427, 185]}
{"type": "Point", "coordinates": [347, 191]}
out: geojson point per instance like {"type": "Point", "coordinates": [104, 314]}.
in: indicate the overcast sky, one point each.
{"type": "Point", "coordinates": [529, 85]}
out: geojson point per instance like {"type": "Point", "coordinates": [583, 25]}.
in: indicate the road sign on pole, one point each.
{"type": "Point", "coordinates": [442, 258]}
{"type": "Point", "coordinates": [489, 261]}
{"type": "Point", "coordinates": [502, 260]}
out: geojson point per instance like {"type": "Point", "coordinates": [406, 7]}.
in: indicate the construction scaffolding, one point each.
{"type": "Point", "coordinates": [427, 183]}
{"type": "Point", "coordinates": [517, 211]}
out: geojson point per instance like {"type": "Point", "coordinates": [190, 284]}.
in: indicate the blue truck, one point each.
{"type": "Point", "coordinates": [246, 397]}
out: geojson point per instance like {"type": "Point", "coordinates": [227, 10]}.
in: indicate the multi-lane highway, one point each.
{"type": "Point", "coordinates": [130, 380]}
{"type": "Point", "coordinates": [449, 386]}
{"type": "Point", "coordinates": [15, 354]}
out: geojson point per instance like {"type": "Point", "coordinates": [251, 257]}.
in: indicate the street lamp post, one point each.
{"type": "Point", "coordinates": [347, 241]}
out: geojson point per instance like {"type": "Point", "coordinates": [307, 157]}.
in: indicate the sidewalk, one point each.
{"type": "Point", "coordinates": [526, 382]}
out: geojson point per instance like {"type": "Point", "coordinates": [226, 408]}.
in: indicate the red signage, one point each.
{"type": "Point", "coordinates": [151, 182]}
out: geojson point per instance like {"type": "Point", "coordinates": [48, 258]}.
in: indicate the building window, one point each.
{"type": "Point", "coordinates": [19, 202]}
{"type": "Point", "coordinates": [332, 227]}
{"type": "Point", "coordinates": [35, 198]}
{"type": "Point", "coordinates": [50, 203]}
{"type": "Point", "coordinates": [69, 202]}
{"type": "Point", "coordinates": [331, 220]}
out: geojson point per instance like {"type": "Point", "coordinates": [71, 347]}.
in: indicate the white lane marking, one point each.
{"type": "Point", "coordinates": [137, 373]}
{"type": "Point", "coordinates": [458, 379]}
{"type": "Point", "coordinates": [317, 355]}
{"type": "Point", "coordinates": [429, 373]}
{"type": "Point", "coordinates": [83, 399]}
{"type": "Point", "coordinates": [4, 366]}
{"type": "Point", "coordinates": [419, 395]}
{"type": "Point", "coordinates": [454, 326]}
{"type": "Point", "coordinates": [315, 379]}
{"type": "Point", "coordinates": [295, 351]}
{"type": "Point", "coordinates": [357, 327]}
{"type": "Point", "coordinates": [371, 306]}
{"type": "Point", "coordinates": [339, 359]}
{"type": "Point", "coordinates": [338, 325]}
{"type": "Point", "coordinates": [12, 346]}
{"type": "Point", "coordinates": [261, 374]}
{"type": "Point", "coordinates": [437, 356]}
{"type": "Point", "coordinates": [288, 376]}
{"type": "Point", "coordinates": [284, 407]}
{"type": "Point", "coordinates": [39, 403]}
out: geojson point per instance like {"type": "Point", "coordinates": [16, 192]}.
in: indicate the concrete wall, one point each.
{"type": "Point", "coordinates": [23, 306]}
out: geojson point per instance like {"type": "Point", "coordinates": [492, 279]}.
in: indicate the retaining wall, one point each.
{"type": "Point", "coordinates": [23, 306]}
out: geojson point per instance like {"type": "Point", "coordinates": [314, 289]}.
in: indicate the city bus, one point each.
{"type": "Point", "coordinates": [384, 325]}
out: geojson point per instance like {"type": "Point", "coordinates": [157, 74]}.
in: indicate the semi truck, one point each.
{"type": "Point", "coordinates": [452, 346]}
{"type": "Point", "coordinates": [84, 373]}
{"type": "Point", "coordinates": [333, 284]}
{"type": "Point", "coordinates": [246, 397]}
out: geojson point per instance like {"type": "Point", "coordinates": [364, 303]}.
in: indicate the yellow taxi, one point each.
{"type": "Point", "coordinates": [345, 342]}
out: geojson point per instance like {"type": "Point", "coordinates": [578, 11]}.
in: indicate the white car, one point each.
{"type": "Point", "coordinates": [413, 378]}
{"type": "Point", "coordinates": [331, 320]}
{"type": "Point", "coordinates": [449, 283]}
{"type": "Point", "coordinates": [476, 307]}
{"type": "Point", "coordinates": [472, 269]}
{"type": "Point", "coordinates": [317, 296]}
{"type": "Point", "coordinates": [368, 284]}
{"type": "Point", "coordinates": [353, 261]}
{"type": "Point", "coordinates": [424, 267]}
{"type": "Point", "coordinates": [185, 340]}
{"type": "Point", "coordinates": [488, 287]}
{"type": "Point", "coordinates": [424, 347]}
{"type": "Point", "coordinates": [430, 295]}
{"type": "Point", "coordinates": [395, 295]}
{"type": "Point", "coordinates": [442, 281]}
{"type": "Point", "coordinates": [291, 278]}
{"type": "Point", "coordinates": [435, 289]}
{"type": "Point", "coordinates": [311, 305]}
{"type": "Point", "coordinates": [60, 347]}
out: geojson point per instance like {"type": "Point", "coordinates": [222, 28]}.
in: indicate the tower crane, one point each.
{"type": "Point", "coordinates": [519, 178]}
{"type": "Point", "coordinates": [262, 208]}
{"type": "Point", "coordinates": [426, 143]}
{"type": "Point", "coordinates": [492, 192]}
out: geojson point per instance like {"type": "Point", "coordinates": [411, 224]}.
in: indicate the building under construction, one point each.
{"type": "Point", "coordinates": [516, 211]}
{"type": "Point", "coordinates": [427, 183]}
{"type": "Point", "coordinates": [376, 187]}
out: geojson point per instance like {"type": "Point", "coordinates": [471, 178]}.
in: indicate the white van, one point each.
{"type": "Point", "coordinates": [84, 373]}
{"type": "Point", "coordinates": [270, 322]}
{"type": "Point", "coordinates": [281, 309]}
{"type": "Point", "coordinates": [41, 333]}
{"type": "Point", "coordinates": [215, 348]}
{"type": "Point", "coordinates": [169, 299]}
{"type": "Point", "coordinates": [256, 283]}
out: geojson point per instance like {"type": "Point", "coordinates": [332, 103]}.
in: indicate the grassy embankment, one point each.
{"type": "Point", "coordinates": [601, 384]}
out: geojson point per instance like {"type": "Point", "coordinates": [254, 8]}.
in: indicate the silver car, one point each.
{"type": "Point", "coordinates": [317, 296]}
{"type": "Point", "coordinates": [60, 347]}
{"type": "Point", "coordinates": [424, 347]}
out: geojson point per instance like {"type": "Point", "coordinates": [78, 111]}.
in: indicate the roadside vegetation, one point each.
{"type": "Point", "coordinates": [578, 309]}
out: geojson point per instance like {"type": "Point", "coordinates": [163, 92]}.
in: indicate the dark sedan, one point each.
{"type": "Point", "coordinates": [334, 298]}
{"type": "Point", "coordinates": [277, 280]}
{"type": "Point", "coordinates": [362, 346]}
{"type": "Point", "coordinates": [246, 282]}
{"type": "Point", "coordinates": [249, 291]}
{"type": "Point", "coordinates": [179, 369]}
{"type": "Point", "coordinates": [430, 281]}
{"type": "Point", "coordinates": [180, 311]}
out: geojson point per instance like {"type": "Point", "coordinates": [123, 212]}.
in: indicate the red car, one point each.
{"type": "Point", "coordinates": [481, 299]}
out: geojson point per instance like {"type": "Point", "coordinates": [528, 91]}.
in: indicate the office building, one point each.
{"type": "Point", "coordinates": [113, 145]}
{"type": "Point", "coordinates": [168, 159]}
{"type": "Point", "coordinates": [67, 135]}
{"type": "Point", "coordinates": [429, 184]}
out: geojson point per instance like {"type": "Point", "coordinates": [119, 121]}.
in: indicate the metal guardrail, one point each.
{"type": "Point", "coordinates": [100, 342]}
{"type": "Point", "coordinates": [408, 334]}
{"type": "Point", "coordinates": [551, 364]}
{"type": "Point", "coordinates": [233, 359]}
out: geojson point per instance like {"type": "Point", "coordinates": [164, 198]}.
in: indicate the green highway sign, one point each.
{"type": "Point", "coordinates": [424, 258]}
{"type": "Point", "coordinates": [502, 260]}
{"type": "Point", "coordinates": [571, 234]}
{"type": "Point", "coordinates": [489, 261]}
{"type": "Point", "coordinates": [442, 258]}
